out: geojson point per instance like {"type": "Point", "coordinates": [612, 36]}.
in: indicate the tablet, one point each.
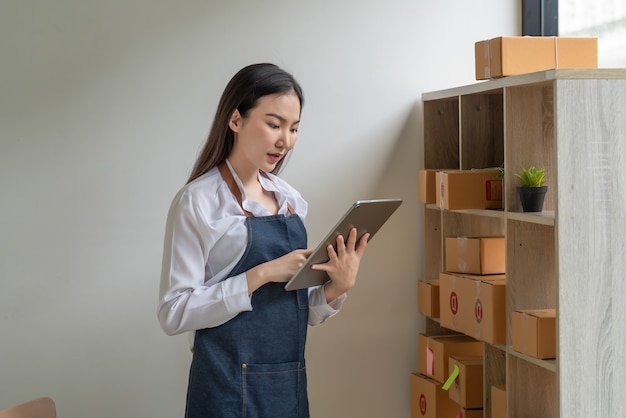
{"type": "Point", "coordinates": [367, 216]}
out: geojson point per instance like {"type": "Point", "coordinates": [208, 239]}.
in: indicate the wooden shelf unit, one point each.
{"type": "Point", "coordinates": [572, 256]}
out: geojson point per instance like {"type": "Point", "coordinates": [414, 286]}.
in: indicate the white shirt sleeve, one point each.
{"type": "Point", "coordinates": [189, 301]}
{"type": "Point", "coordinates": [319, 309]}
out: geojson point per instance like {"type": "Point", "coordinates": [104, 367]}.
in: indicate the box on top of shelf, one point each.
{"type": "Point", "coordinates": [426, 186]}
{"type": "Point", "coordinates": [475, 255]}
{"type": "Point", "coordinates": [534, 332]}
{"type": "Point", "coordinates": [474, 305]}
{"type": "Point", "coordinates": [498, 401]}
{"type": "Point", "coordinates": [467, 387]}
{"type": "Point", "coordinates": [428, 297]}
{"type": "Point", "coordinates": [469, 189]}
{"type": "Point", "coordinates": [429, 400]}
{"type": "Point", "coordinates": [435, 350]}
{"type": "Point", "coordinates": [513, 55]}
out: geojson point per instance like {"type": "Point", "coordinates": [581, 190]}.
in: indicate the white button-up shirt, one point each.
{"type": "Point", "coordinates": [205, 237]}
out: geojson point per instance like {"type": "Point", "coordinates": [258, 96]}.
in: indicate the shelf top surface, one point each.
{"type": "Point", "coordinates": [524, 79]}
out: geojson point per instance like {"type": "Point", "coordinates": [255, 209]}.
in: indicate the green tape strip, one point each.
{"type": "Point", "coordinates": [453, 376]}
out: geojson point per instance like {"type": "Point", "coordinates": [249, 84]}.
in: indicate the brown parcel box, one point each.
{"type": "Point", "coordinates": [534, 332]}
{"type": "Point", "coordinates": [428, 297]}
{"type": "Point", "coordinates": [469, 189]}
{"type": "Point", "coordinates": [429, 400]}
{"type": "Point", "coordinates": [473, 305]}
{"type": "Point", "coordinates": [434, 352]}
{"type": "Point", "coordinates": [426, 186]}
{"type": "Point", "coordinates": [498, 401]}
{"type": "Point", "coordinates": [467, 388]}
{"type": "Point", "coordinates": [513, 55]}
{"type": "Point", "coordinates": [475, 255]}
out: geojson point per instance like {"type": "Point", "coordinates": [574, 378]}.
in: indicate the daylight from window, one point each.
{"type": "Point", "coordinates": [605, 19]}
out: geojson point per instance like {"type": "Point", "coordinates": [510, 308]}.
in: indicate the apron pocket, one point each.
{"type": "Point", "coordinates": [274, 390]}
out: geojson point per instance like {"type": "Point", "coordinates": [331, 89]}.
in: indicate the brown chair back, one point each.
{"type": "Point", "coordinates": [37, 408]}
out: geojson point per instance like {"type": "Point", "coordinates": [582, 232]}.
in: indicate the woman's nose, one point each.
{"type": "Point", "coordinates": [285, 140]}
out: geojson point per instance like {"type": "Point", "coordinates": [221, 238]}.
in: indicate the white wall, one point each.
{"type": "Point", "coordinates": [103, 106]}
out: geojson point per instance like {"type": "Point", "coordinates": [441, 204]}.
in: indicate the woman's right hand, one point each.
{"type": "Point", "coordinates": [278, 270]}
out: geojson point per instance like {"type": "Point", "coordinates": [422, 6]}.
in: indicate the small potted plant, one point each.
{"type": "Point", "coordinates": [532, 191]}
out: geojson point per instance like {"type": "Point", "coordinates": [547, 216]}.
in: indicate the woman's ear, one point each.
{"type": "Point", "coordinates": [234, 123]}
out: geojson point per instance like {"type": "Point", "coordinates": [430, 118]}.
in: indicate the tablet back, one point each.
{"type": "Point", "coordinates": [367, 216]}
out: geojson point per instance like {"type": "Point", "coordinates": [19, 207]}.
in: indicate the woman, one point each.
{"type": "Point", "coordinates": [235, 234]}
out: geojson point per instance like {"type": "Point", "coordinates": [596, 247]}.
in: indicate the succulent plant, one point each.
{"type": "Point", "coordinates": [532, 176]}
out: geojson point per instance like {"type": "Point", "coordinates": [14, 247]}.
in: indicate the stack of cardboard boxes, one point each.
{"type": "Point", "coordinates": [467, 297]}
{"type": "Point", "coordinates": [438, 357]}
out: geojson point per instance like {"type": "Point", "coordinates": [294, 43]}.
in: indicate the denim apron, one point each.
{"type": "Point", "coordinates": [253, 365]}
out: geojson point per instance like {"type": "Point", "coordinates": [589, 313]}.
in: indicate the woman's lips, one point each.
{"type": "Point", "coordinates": [275, 157]}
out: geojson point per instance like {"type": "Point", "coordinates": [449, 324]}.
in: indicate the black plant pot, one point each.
{"type": "Point", "coordinates": [532, 198]}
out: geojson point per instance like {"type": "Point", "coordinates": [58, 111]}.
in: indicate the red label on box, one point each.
{"type": "Point", "coordinates": [493, 189]}
{"type": "Point", "coordinates": [478, 311]}
{"type": "Point", "coordinates": [423, 404]}
{"type": "Point", "coordinates": [454, 303]}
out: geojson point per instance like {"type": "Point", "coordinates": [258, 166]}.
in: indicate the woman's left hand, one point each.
{"type": "Point", "coordinates": [343, 264]}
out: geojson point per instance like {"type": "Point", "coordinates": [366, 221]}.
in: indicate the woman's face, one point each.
{"type": "Point", "coordinates": [267, 132]}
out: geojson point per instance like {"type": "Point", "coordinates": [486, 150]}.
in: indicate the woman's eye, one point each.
{"type": "Point", "coordinates": [294, 130]}
{"type": "Point", "coordinates": [273, 126]}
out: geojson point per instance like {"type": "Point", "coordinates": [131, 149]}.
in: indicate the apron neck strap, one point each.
{"type": "Point", "coordinates": [234, 189]}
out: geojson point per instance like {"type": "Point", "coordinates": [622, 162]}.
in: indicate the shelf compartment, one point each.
{"type": "Point", "coordinates": [530, 268]}
{"type": "Point", "coordinates": [482, 130]}
{"type": "Point", "coordinates": [529, 134]}
{"type": "Point", "coordinates": [535, 389]}
{"type": "Point", "coordinates": [469, 224]}
{"type": "Point", "coordinates": [441, 133]}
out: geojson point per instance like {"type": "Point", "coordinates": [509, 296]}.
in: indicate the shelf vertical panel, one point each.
{"type": "Point", "coordinates": [482, 132]}
{"type": "Point", "coordinates": [441, 133]}
{"type": "Point", "coordinates": [591, 240]}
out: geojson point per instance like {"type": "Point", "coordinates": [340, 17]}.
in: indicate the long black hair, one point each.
{"type": "Point", "coordinates": [242, 93]}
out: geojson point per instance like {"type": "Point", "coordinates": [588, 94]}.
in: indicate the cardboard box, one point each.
{"type": "Point", "coordinates": [467, 388]}
{"type": "Point", "coordinates": [426, 186]}
{"type": "Point", "coordinates": [428, 297]}
{"type": "Point", "coordinates": [428, 400]}
{"type": "Point", "coordinates": [513, 55]}
{"type": "Point", "coordinates": [498, 401]}
{"type": "Point", "coordinates": [475, 255]}
{"type": "Point", "coordinates": [474, 305]}
{"type": "Point", "coordinates": [435, 351]}
{"type": "Point", "coordinates": [534, 332]}
{"type": "Point", "coordinates": [469, 189]}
